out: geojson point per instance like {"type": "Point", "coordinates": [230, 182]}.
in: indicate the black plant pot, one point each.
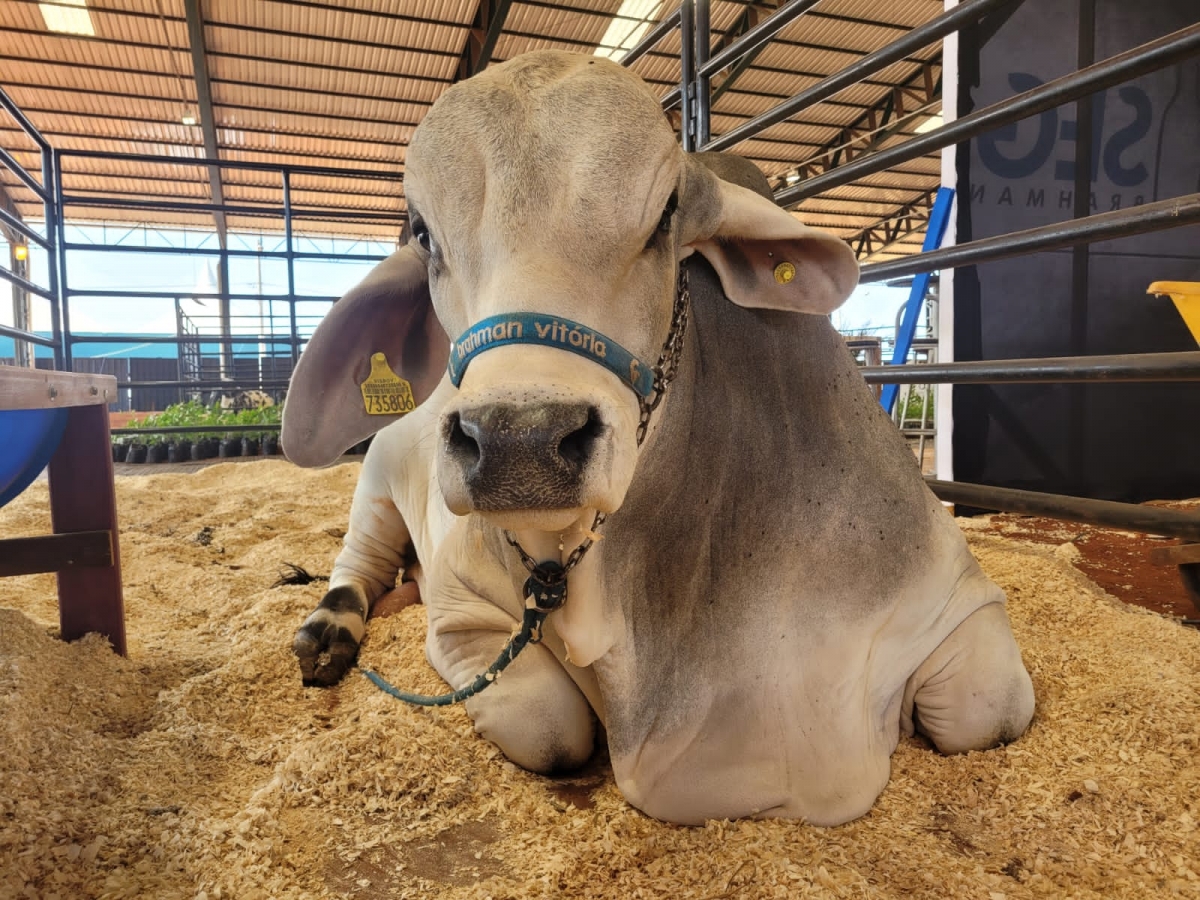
{"type": "Point", "coordinates": [269, 445]}
{"type": "Point", "coordinates": [179, 451]}
{"type": "Point", "coordinates": [136, 453]}
{"type": "Point", "coordinates": [249, 446]}
{"type": "Point", "coordinates": [118, 452]}
{"type": "Point", "coordinates": [230, 447]}
{"type": "Point", "coordinates": [204, 449]}
{"type": "Point", "coordinates": [156, 453]}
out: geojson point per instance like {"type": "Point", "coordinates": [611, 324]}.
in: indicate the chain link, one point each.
{"type": "Point", "coordinates": [668, 359]}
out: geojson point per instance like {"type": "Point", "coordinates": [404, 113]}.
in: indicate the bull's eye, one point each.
{"type": "Point", "coordinates": [664, 223]}
{"type": "Point", "coordinates": [420, 233]}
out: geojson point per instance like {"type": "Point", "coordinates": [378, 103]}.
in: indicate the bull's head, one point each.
{"type": "Point", "coordinates": [550, 206]}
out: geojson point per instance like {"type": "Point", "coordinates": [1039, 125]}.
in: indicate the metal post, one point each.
{"type": "Point", "coordinates": [703, 94]}
{"type": "Point", "coordinates": [51, 217]}
{"type": "Point", "coordinates": [60, 313]}
{"type": "Point", "coordinates": [290, 250]}
{"type": "Point", "coordinates": [687, 31]}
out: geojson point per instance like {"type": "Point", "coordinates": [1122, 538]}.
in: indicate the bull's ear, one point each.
{"type": "Point", "coordinates": [764, 256]}
{"type": "Point", "coordinates": [388, 313]}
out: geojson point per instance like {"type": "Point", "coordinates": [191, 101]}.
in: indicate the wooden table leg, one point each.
{"type": "Point", "coordinates": [82, 498]}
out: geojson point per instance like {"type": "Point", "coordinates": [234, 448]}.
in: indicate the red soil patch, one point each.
{"type": "Point", "coordinates": [1118, 561]}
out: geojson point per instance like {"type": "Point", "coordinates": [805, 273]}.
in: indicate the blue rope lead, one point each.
{"type": "Point", "coordinates": [546, 591]}
{"type": "Point", "coordinates": [529, 633]}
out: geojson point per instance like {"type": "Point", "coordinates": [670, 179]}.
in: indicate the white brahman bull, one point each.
{"type": "Point", "coordinates": [777, 595]}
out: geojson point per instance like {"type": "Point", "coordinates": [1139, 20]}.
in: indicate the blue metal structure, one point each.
{"type": "Point", "coordinates": [939, 218]}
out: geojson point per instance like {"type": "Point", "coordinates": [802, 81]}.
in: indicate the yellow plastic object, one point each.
{"type": "Point", "coordinates": [1186, 295]}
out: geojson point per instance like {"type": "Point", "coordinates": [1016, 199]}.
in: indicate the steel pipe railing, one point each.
{"type": "Point", "coordinates": [202, 339]}
{"type": "Point", "coordinates": [11, 221]}
{"type": "Point", "coordinates": [946, 23]}
{"type": "Point", "coordinates": [1129, 516]}
{"type": "Point", "coordinates": [28, 336]}
{"type": "Point", "coordinates": [230, 209]}
{"type": "Point", "coordinates": [10, 163]}
{"type": "Point", "coordinates": [202, 295]}
{"type": "Point", "coordinates": [1119, 368]}
{"type": "Point", "coordinates": [1120, 223]}
{"type": "Point", "coordinates": [204, 162]}
{"type": "Point", "coordinates": [756, 36]}
{"type": "Point", "coordinates": [1150, 57]}
{"type": "Point", "coordinates": [25, 284]}
{"type": "Point", "coordinates": [215, 251]}
{"type": "Point", "coordinates": [656, 34]}
{"type": "Point", "coordinates": [7, 103]}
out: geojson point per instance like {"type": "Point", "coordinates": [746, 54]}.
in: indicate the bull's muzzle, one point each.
{"type": "Point", "coordinates": [511, 456]}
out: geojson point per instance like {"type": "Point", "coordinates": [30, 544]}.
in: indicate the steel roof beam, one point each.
{"type": "Point", "coordinates": [896, 226]}
{"type": "Point", "coordinates": [208, 125]}
{"type": "Point", "coordinates": [482, 36]}
{"type": "Point", "coordinates": [876, 124]}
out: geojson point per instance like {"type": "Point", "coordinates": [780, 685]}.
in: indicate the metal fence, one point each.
{"type": "Point", "coordinates": [692, 98]}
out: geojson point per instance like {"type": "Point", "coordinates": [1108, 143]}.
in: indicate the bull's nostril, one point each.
{"type": "Point", "coordinates": [576, 448]}
{"type": "Point", "coordinates": [463, 447]}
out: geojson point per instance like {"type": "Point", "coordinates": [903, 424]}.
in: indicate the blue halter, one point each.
{"type": "Point", "coordinates": [549, 331]}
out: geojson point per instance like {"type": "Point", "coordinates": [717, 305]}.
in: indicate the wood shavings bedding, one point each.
{"type": "Point", "coordinates": [199, 767]}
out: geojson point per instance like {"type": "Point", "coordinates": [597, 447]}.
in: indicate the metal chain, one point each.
{"type": "Point", "coordinates": [668, 359]}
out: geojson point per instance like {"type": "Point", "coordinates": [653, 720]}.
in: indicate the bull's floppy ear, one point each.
{"type": "Point", "coordinates": [764, 256]}
{"type": "Point", "coordinates": [388, 313]}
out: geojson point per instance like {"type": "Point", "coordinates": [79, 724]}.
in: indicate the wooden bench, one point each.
{"type": "Point", "coordinates": [83, 550]}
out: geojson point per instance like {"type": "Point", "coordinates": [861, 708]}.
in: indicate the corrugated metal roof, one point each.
{"type": "Point", "coordinates": [343, 83]}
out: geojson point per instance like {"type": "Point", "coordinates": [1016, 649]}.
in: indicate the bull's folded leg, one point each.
{"type": "Point", "coordinates": [534, 712]}
{"type": "Point", "coordinates": [973, 692]}
{"type": "Point", "coordinates": [375, 550]}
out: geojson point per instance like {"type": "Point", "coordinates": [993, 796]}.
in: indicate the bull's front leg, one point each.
{"type": "Point", "coordinates": [377, 546]}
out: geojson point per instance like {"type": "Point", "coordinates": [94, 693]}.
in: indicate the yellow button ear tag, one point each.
{"type": "Point", "coordinates": [785, 272]}
{"type": "Point", "coordinates": [384, 392]}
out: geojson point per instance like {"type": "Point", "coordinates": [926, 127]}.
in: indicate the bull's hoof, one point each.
{"type": "Point", "coordinates": [325, 653]}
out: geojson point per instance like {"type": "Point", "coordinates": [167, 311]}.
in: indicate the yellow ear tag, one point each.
{"type": "Point", "coordinates": [785, 272]}
{"type": "Point", "coordinates": [384, 392]}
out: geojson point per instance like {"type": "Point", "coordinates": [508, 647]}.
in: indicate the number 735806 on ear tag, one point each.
{"type": "Point", "coordinates": [384, 392]}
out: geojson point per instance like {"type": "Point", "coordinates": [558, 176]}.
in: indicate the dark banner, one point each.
{"type": "Point", "coordinates": [1135, 143]}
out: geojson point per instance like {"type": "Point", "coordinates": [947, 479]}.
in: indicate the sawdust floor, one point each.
{"type": "Point", "coordinates": [199, 768]}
